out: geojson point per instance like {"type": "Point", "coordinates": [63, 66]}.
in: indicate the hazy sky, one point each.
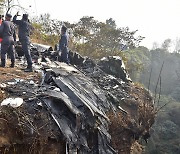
{"type": "Point", "coordinates": [157, 20]}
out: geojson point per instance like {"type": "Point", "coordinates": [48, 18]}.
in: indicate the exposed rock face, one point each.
{"type": "Point", "coordinates": [88, 109]}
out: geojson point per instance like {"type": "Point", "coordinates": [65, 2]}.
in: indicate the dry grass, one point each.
{"type": "Point", "coordinates": [11, 73]}
{"type": "Point", "coordinates": [127, 129]}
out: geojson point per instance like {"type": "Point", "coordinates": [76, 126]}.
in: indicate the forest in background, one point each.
{"type": "Point", "coordinates": [97, 39]}
{"type": "Point", "coordinates": [147, 71]}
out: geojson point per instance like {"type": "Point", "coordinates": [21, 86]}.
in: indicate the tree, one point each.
{"type": "Point", "coordinates": [166, 44]}
{"type": "Point", "coordinates": [155, 46]}
{"type": "Point", "coordinates": [89, 36]}
{"type": "Point", "coordinates": [9, 4]}
{"type": "Point", "coordinates": [177, 45]}
{"type": "Point", "coordinates": [111, 22]}
{"type": "Point", "coordinates": [98, 38]}
{"type": "Point", "coordinates": [46, 30]}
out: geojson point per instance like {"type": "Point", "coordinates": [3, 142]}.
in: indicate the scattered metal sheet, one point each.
{"type": "Point", "coordinates": [73, 99]}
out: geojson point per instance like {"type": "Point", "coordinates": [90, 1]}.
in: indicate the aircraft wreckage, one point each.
{"type": "Point", "coordinates": [82, 108]}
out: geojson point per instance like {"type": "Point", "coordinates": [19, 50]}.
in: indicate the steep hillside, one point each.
{"type": "Point", "coordinates": [147, 69]}
{"type": "Point", "coordinates": [77, 108]}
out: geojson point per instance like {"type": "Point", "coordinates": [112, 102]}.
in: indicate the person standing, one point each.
{"type": "Point", "coordinates": [24, 28]}
{"type": "Point", "coordinates": [7, 31]}
{"type": "Point", "coordinates": [1, 20]}
{"type": "Point", "coordinates": [63, 46]}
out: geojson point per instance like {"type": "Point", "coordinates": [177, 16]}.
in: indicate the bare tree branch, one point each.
{"type": "Point", "coordinates": [9, 5]}
{"type": "Point", "coordinates": [149, 79]}
{"type": "Point", "coordinates": [158, 82]}
{"type": "Point", "coordinates": [161, 107]}
{"type": "Point", "coordinates": [159, 91]}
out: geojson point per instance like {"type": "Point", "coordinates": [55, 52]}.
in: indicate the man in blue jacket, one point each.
{"type": "Point", "coordinates": [24, 28]}
{"type": "Point", "coordinates": [63, 46]}
{"type": "Point", "coordinates": [7, 31]}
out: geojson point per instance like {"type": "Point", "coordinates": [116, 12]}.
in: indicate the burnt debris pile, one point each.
{"type": "Point", "coordinates": [87, 107]}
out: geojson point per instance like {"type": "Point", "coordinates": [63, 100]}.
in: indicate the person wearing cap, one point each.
{"type": "Point", "coordinates": [63, 46]}
{"type": "Point", "coordinates": [24, 28]}
{"type": "Point", "coordinates": [7, 31]}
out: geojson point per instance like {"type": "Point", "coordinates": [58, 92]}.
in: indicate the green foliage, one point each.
{"type": "Point", "coordinates": [89, 36]}
{"type": "Point", "coordinates": [166, 130]}
{"type": "Point", "coordinates": [165, 135]}
{"type": "Point", "coordinates": [144, 66]}
{"type": "Point", "coordinates": [48, 25]}
{"type": "Point", "coordinates": [166, 44]}
{"type": "Point", "coordinates": [44, 31]}
{"type": "Point", "coordinates": [136, 61]}
{"type": "Point", "coordinates": [99, 39]}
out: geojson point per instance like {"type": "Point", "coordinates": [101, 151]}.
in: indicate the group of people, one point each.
{"type": "Point", "coordinates": [8, 35]}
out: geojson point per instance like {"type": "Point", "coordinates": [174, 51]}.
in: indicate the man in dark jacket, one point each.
{"type": "Point", "coordinates": [7, 31]}
{"type": "Point", "coordinates": [63, 46]}
{"type": "Point", "coordinates": [24, 28]}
